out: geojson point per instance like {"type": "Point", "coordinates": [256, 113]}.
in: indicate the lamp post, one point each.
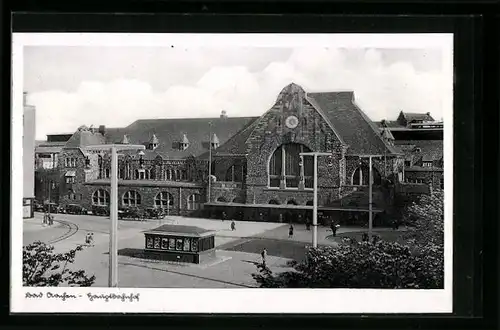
{"type": "Point", "coordinates": [315, 199]}
{"type": "Point", "coordinates": [370, 191]}
{"type": "Point", "coordinates": [113, 210]}
{"type": "Point", "coordinates": [209, 163]}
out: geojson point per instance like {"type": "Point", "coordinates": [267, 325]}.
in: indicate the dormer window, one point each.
{"type": "Point", "coordinates": [184, 144]}
{"type": "Point", "coordinates": [153, 143]}
{"type": "Point", "coordinates": [427, 164]}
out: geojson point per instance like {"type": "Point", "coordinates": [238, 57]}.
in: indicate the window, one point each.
{"type": "Point", "coordinates": [193, 202]}
{"type": "Point", "coordinates": [427, 164]}
{"type": "Point", "coordinates": [142, 175]}
{"type": "Point", "coordinates": [71, 195]}
{"type": "Point", "coordinates": [70, 179]}
{"type": "Point", "coordinates": [70, 162]}
{"type": "Point", "coordinates": [164, 200]}
{"type": "Point", "coordinates": [407, 163]}
{"type": "Point", "coordinates": [361, 175]}
{"type": "Point", "coordinates": [168, 174]}
{"type": "Point", "coordinates": [100, 197]}
{"type": "Point", "coordinates": [107, 173]}
{"type": "Point", "coordinates": [285, 164]}
{"type": "Point", "coordinates": [131, 198]}
{"type": "Point", "coordinates": [234, 173]}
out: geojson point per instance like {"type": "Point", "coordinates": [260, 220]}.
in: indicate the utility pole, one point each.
{"type": "Point", "coordinates": [210, 163]}
{"type": "Point", "coordinates": [113, 209]}
{"type": "Point", "coordinates": [370, 192]}
{"type": "Point", "coordinates": [315, 198]}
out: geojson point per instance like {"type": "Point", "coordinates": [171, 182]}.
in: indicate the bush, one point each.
{"type": "Point", "coordinates": [381, 265]}
{"type": "Point", "coordinates": [43, 267]}
{"type": "Point", "coordinates": [419, 263]}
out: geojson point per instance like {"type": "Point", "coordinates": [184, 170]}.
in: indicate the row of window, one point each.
{"type": "Point", "coordinates": [130, 198]}
{"type": "Point", "coordinates": [173, 244]}
{"type": "Point", "coordinates": [70, 162]}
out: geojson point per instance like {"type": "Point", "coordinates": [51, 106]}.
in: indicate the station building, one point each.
{"type": "Point", "coordinates": [248, 167]}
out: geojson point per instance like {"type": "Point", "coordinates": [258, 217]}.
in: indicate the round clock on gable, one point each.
{"type": "Point", "coordinates": [291, 122]}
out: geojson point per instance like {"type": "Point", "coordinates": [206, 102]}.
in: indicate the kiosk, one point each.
{"type": "Point", "coordinates": [181, 243]}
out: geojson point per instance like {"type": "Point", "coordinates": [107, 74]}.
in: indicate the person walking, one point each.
{"type": "Point", "coordinates": [224, 216]}
{"type": "Point", "coordinates": [334, 228]}
{"type": "Point", "coordinates": [45, 218]}
{"type": "Point", "coordinates": [51, 219]}
{"type": "Point", "coordinates": [290, 231]}
{"type": "Point", "coordinates": [233, 226]}
{"type": "Point", "coordinates": [263, 254]}
{"type": "Point", "coordinates": [91, 239]}
{"type": "Point", "coordinates": [87, 239]}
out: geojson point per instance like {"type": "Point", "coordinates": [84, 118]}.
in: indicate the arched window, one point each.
{"type": "Point", "coordinates": [164, 200]}
{"type": "Point", "coordinates": [292, 202]}
{"type": "Point", "coordinates": [193, 202]}
{"type": "Point", "coordinates": [221, 200]}
{"type": "Point", "coordinates": [274, 202]}
{"type": "Point", "coordinates": [285, 163]}
{"type": "Point", "coordinates": [107, 173]}
{"type": "Point", "coordinates": [309, 203]}
{"type": "Point", "coordinates": [136, 174]}
{"type": "Point", "coordinates": [131, 198]}
{"type": "Point", "coordinates": [361, 175]}
{"type": "Point", "coordinates": [234, 174]}
{"type": "Point", "coordinates": [100, 197]}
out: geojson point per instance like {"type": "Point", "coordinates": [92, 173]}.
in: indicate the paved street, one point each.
{"type": "Point", "coordinates": [238, 251]}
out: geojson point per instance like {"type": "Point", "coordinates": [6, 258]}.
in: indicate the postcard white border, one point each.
{"type": "Point", "coordinates": [230, 300]}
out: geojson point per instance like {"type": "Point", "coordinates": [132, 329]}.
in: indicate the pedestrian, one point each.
{"type": "Point", "coordinates": [45, 218]}
{"type": "Point", "coordinates": [233, 226]}
{"type": "Point", "coordinates": [263, 254]}
{"type": "Point", "coordinates": [334, 228]}
{"type": "Point", "coordinates": [91, 239]}
{"type": "Point", "coordinates": [290, 231]}
{"type": "Point", "coordinates": [224, 216]}
{"type": "Point", "coordinates": [308, 224]}
{"type": "Point", "coordinates": [87, 239]}
{"type": "Point", "coordinates": [51, 220]}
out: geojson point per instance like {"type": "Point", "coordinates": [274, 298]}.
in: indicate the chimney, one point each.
{"type": "Point", "coordinates": [428, 113]}
{"type": "Point", "coordinates": [25, 97]}
{"type": "Point", "coordinates": [102, 129]}
{"type": "Point", "coordinates": [223, 114]}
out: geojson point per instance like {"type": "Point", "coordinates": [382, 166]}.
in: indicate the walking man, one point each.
{"type": "Point", "coordinates": [224, 216]}
{"type": "Point", "coordinates": [263, 254]}
{"type": "Point", "coordinates": [290, 231]}
{"type": "Point", "coordinates": [233, 226]}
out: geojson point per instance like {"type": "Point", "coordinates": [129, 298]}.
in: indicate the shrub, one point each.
{"type": "Point", "coordinates": [43, 267]}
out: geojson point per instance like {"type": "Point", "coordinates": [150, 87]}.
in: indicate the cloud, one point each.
{"type": "Point", "coordinates": [382, 89]}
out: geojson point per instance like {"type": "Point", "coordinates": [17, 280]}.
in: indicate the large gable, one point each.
{"type": "Point", "coordinates": [351, 123]}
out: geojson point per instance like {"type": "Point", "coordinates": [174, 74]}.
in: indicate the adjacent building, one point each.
{"type": "Point", "coordinates": [28, 157]}
{"type": "Point", "coordinates": [249, 167]}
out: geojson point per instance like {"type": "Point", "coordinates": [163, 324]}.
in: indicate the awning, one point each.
{"type": "Point", "coordinates": [70, 173]}
{"type": "Point", "coordinates": [294, 207]}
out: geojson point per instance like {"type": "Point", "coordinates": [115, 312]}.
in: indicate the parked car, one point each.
{"type": "Point", "coordinates": [53, 208]}
{"type": "Point", "coordinates": [130, 213]}
{"type": "Point", "coordinates": [100, 210]}
{"type": "Point", "coordinates": [75, 209]}
{"type": "Point", "coordinates": [155, 213]}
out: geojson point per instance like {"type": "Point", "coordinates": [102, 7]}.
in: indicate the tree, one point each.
{"type": "Point", "coordinates": [43, 267]}
{"type": "Point", "coordinates": [419, 263]}
{"type": "Point", "coordinates": [425, 220]}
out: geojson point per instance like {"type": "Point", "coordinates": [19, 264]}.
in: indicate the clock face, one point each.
{"type": "Point", "coordinates": [292, 122]}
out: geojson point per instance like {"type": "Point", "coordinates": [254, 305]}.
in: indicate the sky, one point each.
{"type": "Point", "coordinates": [72, 86]}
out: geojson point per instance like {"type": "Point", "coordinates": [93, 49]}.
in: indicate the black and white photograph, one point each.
{"type": "Point", "coordinates": [155, 167]}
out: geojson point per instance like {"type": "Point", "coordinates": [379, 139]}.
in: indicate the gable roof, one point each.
{"type": "Point", "coordinates": [409, 116]}
{"type": "Point", "coordinates": [83, 138]}
{"type": "Point", "coordinates": [170, 132]}
{"type": "Point", "coordinates": [351, 123]}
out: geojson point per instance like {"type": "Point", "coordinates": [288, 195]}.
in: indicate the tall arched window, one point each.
{"type": "Point", "coordinates": [193, 202]}
{"type": "Point", "coordinates": [234, 174]}
{"type": "Point", "coordinates": [100, 197]}
{"type": "Point", "coordinates": [361, 175]}
{"type": "Point", "coordinates": [285, 163]}
{"type": "Point", "coordinates": [164, 200]}
{"type": "Point", "coordinates": [274, 202]}
{"type": "Point", "coordinates": [131, 198]}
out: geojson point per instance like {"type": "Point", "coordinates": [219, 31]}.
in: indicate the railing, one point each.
{"type": "Point", "coordinates": [227, 185]}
